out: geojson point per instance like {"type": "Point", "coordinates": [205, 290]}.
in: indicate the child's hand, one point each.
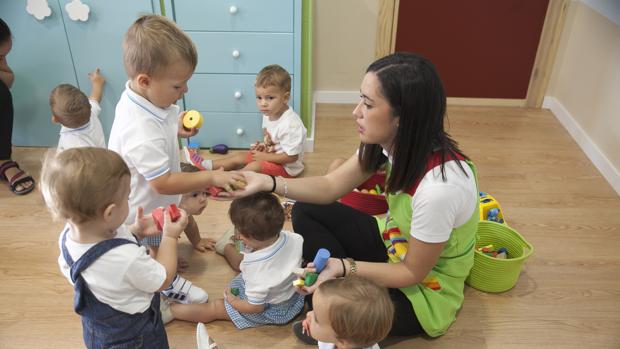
{"type": "Point", "coordinates": [229, 180]}
{"type": "Point", "coordinates": [230, 298]}
{"type": "Point", "coordinates": [174, 229]}
{"type": "Point", "coordinates": [184, 132]}
{"type": "Point", "coordinates": [260, 155]}
{"type": "Point", "coordinates": [205, 244]}
{"type": "Point", "coordinates": [96, 78]}
{"type": "Point", "coordinates": [144, 224]}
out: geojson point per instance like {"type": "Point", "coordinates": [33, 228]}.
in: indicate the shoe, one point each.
{"type": "Point", "coordinates": [203, 341]}
{"type": "Point", "coordinates": [193, 157]}
{"type": "Point", "coordinates": [227, 238]}
{"type": "Point", "coordinates": [301, 333]}
{"type": "Point", "coordinates": [183, 291]}
{"type": "Point", "coordinates": [166, 313]}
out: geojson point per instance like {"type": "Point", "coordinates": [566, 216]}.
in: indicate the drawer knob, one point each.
{"type": "Point", "coordinates": [233, 10]}
{"type": "Point", "coordinates": [238, 94]}
{"type": "Point", "coordinates": [240, 131]}
{"type": "Point", "coordinates": [236, 53]}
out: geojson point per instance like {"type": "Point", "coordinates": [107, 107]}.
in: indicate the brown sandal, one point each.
{"type": "Point", "coordinates": [18, 179]}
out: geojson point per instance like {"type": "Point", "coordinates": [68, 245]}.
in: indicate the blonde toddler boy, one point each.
{"type": "Point", "coordinates": [159, 60]}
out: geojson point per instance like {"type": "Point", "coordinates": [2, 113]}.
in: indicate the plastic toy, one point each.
{"type": "Point", "coordinates": [234, 291]}
{"type": "Point", "coordinates": [309, 278]}
{"type": "Point", "coordinates": [320, 259]}
{"type": "Point", "coordinates": [432, 283]}
{"type": "Point", "coordinates": [192, 119]}
{"type": "Point", "coordinates": [158, 215]}
{"type": "Point", "coordinates": [215, 191]}
{"type": "Point", "coordinates": [219, 149]}
{"type": "Point", "coordinates": [490, 209]}
{"type": "Point", "coordinates": [489, 250]}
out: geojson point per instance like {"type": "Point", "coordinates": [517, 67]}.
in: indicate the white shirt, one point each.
{"type": "Point", "coordinates": [324, 345]}
{"type": "Point", "coordinates": [88, 135]}
{"type": "Point", "coordinates": [267, 273]}
{"type": "Point", "coordinates": [289, 135]}
{"type": "Point", "coordinates": [124, 278]}
{"type": "Point", "coordinates": [146, 137]}
{"type": "Point", "coordinates": [438, 206]}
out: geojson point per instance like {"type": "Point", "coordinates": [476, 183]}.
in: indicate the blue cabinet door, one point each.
{"type": "Point", "coordinates": [40, 60]}
{"type": "Point", "coordinates": [98, 43]}
{"type": "Point", "coordinates": [59, 50]}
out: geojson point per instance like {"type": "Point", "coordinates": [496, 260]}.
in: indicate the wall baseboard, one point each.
{"type": "Point", "coordinates": [592, 151]}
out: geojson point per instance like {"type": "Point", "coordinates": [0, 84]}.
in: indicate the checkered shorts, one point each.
{"type": "Point", "coordinates": [274, 314]}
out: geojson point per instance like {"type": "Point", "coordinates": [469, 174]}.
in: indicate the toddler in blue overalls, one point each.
{"type": "Point", "coordinates": [116, 283]}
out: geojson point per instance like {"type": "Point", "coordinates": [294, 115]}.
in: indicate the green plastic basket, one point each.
{"type": "Point", "coordinates": [491, 274]}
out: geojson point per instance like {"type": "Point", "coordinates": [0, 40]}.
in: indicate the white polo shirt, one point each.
{"type": "Point", "coordinates": [146, 137]}
{"type": "Point", "coordinates": [89, 135]}
{"type": "Point", "coordinates": [268, 273]}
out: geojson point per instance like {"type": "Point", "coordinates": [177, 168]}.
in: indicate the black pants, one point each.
{"type": "Point", "coordinates": [347, 232]}
{"type": "Point", "coordinates": [6, 121]}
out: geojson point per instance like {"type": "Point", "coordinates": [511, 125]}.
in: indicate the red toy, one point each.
{"type": "Point", "coordinates": [158, 215]}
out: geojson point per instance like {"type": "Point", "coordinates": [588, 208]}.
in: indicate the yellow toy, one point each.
{"type": "Point", "coordinates": [192, 119]}
{"type": "Point", "coordinates": [490, 209]}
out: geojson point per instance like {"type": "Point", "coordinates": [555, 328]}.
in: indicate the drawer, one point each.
{"type": "Point", "coordinates": [235, 15]}
{"type": "Point", "coordinates": [224, 93]}
{"type": "Point", "coordinates": [222, 128]}
{"type": "Point", "coordinates": [242, 52]}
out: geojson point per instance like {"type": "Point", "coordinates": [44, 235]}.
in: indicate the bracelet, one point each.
{"type": "Point", "coordinates": [353, 266]}
{"type": "Point", "coordinates": [274, 183]}
{"type": "Point", "coordinates": [344, 269]}
{"type": "Point", "coordinates": [285, 186]}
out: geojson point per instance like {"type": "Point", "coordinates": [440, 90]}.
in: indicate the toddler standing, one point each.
{"type": "Point", "coordinates": [159, 60]}
{"type": "Point", "coordinates": [116, 283]}
{"type": "Point", "coordinates": [78, 114]}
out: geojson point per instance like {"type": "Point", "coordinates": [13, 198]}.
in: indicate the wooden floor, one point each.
{"type": "Point", "coordinates": [568, 295]}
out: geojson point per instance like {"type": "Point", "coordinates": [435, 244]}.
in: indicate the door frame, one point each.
{"type": "Point", "coordinates": [387, 23]}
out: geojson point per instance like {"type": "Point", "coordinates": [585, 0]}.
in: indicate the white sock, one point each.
{"type": "Point", "coordinates": [207, 164]}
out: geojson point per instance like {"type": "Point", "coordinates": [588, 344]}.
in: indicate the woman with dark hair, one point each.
{"type": "Point", "coordinates": [423, 249]}
{"type": "Point", "coordinates": [19, 182]}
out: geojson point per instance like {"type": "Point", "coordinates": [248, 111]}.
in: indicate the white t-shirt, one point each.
{"type": "Point", "coordinates": [124, 278]}
{"type": "Point", "coordinates": [267, 273]}
{"type": "Point", "coordinates": [439, 207]}
{"type": "Point", "coordinates": [289, 135]}
{"type": "Point", "coordinates": [89, 135]}
{"type": "Point", "coordinates": [324, 345]}
{"type": "Point", "coordinates": [146, 137]}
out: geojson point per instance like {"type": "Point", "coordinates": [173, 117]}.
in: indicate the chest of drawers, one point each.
{"type": "Point", "coordinates": [235, 39]}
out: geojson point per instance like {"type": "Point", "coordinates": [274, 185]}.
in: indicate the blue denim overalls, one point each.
{"type": "Point", "coordinates": [104, 326]}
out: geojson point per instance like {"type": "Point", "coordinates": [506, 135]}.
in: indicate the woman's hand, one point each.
{"type": "Point", "coordinates": [254, 182]}
{"type": "Point", "coordinates": [332, 270]}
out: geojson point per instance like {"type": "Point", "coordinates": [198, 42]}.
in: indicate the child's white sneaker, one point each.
{"type": "Point", "coordinates": [183, 291]}
{"type": "Point", "coordinates": [227, 238]}
{"type": "Point", "coordinates": [166, 313]}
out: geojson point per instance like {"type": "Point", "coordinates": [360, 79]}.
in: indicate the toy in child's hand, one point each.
{"type": "Point", "coordinates": [219, 149]}
{"type": "Point", "coordinates": [158, 215]}
{"type": "Point", "coordinates": [215, 191]}
{"type": "Point", "coordinates": [192, 119]}
{"type": "Point", "coordinates": [309, 278]}
{"type": "Point", "coordinates": [234, 291]}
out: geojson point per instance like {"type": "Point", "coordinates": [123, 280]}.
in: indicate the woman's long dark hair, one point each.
{"type": "Point", "coordinates": [415, 93]}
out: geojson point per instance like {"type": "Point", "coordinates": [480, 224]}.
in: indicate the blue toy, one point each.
{"type": "Point", "coordinates": [322, 255]}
